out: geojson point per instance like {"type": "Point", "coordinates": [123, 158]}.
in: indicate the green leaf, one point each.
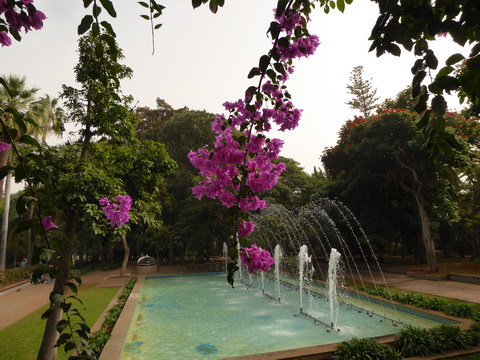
{"type": "Point", "coordinates": [27, 139]}
{"type": "Point", "coordinates": [62, 325]}
{"type": "Point", "coordinates": [444, 71]}
{"type": "Point", "coordinates": [69, 346]}
{"type": "Point", "coordinates": [474, 63]}
{"type": "Point", "coordinates": [431, 60]}
{"type": "Point", "coordinates": [197, 3]}
{"type": "Point", "coordinates": [254, 72]}
{"type": "Point", "coordinates": [23, 203]}
{"type": "Point", "coordinates": [86, 3]}
{"type": "Point", "coordinates": [274, 29]}
{"type": "Point", "coordinates": [144, 4]}
{"type": "Point", "coordinates": [96, 10]}
{"type": "Point", "coordinates": [264, 62]}
{"type": "Point", "coordinates": [281, 6]}
{"type": "Point", "coordinates": [108, 5]}
{"type": "Point", "coordinates": [146, 17]}
{"type": "Point", "coordinates": [455, 58]}
{"type": "Point", "coordinates": [38, 160]}
{"type": "Point", "coordinates": [439, 105]}
{"type": "Point", "coordinates": [423, 122]}
{"type": "Point", "coordinates": [47, 313]}
{"type": "Point", "coordinates": [46, 255]}
{"type": "Point", "coordinates": [341, 5]}
{"type": "Point", "coordinates": [421, 104]}
{"type": "Point", "coordinates": [72, 287]}
{"type": "Point", "coordinates": [4, 170]}
{"type": "Point", "coordinates": [25, 224]}
{"type": "Point", "coordinates": [108, 27]}
{"type": "Point", "coordinates": [85, 24]}
{"type": "Point", "coordinates": [4, 84]}
{"type": "Point", "coordinates": [213, 6]}
{"type": "Point", "coordinates": [453, 142]}
{"type": "Point", "coordinates": [394, 49]}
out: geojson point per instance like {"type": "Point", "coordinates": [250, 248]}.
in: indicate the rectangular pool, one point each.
{"type": "Point", "coordinates": [202, 317]}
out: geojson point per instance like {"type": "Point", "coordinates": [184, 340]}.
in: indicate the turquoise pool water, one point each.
{"type": "Point", "coordinates": [202, 317]}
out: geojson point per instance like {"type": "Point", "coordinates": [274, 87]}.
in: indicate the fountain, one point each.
{"type": "Point", "coordinates": [332, 283]}
{"type": "Point", "coordinates": [311, 235]}
{"type": "Point", "coordinates": [303, 271]}
{"type": "Point", "coordinates": [225, 256]}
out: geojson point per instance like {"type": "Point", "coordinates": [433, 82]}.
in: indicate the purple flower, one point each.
{"type": "Point", "coordinates": [3, 145]}
{"type": "Point", "coordinates": [255, 258]}
{"type": "Point", "coordinates": [245, 228]}
{"type": "Point", "coordinates": [36, 19]}
{"type": "Point", "coordinates": [48, 224]}
{"type": "Point", "coordinates": [3, 6]}
{"type": "Point", "coordinates": [117, 212]}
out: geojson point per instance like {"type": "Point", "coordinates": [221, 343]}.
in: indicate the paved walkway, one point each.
{"type": "Point", "coordinates": [445, 288]}
{"type": "Point", "coordinates": [18, 302]}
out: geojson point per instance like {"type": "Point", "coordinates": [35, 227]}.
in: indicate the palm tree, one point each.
{"type": "Point", "coordinates": [18, 97]}
{"type": "Point", "coordinates": [49, 117]}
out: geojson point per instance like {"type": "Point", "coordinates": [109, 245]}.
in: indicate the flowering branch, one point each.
{"type": "Point", "coordinates": [18, 16]}
{"type": "Point", "coordinates": [240, 164]}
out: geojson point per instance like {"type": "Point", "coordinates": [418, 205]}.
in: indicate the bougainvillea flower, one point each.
{"type": "Point", "coordinates": [48, 224]}
{"type": "Point", "coordinates": [117, 212]}
{"type": "Point", "coordinates": [3, 145]}
{"type": "Point", "coordinates": [255, 258]}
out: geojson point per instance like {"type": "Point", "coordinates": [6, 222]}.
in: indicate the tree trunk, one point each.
{"type": "Point", "coordinates": [30, 235]}
{"type": "Point", "coordinates": [126, 255]}
{"type": "Point", "coordinates": [428, 242]}
{"type": "Point", "coordinates": [417, 191]}
{"type": "Point", "coordinates": [171, 252]}
{"type": "Point", "coordinates": [4, 155]}
{"type": "Point", "coordinates": [48, 351]}
{"type": "Point", "coordinates": [4, 231]}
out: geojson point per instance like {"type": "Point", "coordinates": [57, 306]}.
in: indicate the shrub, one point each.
{"type": "Point", "coordinates": [97, 342]}
{"type": "Point", "coordinates": [475, 334]}
{"type": "Point", "coordinates": [113, 314]}
{"type": "Point", "coordinates": [362, 349]}
{"type": "Point", "coordinates": [414, 341]}
{"type": "Point", "coordinates": [10, 276]}
{"type": "Point", "coordinates": [448, 337]}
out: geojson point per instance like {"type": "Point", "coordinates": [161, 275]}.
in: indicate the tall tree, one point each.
{"type": "Point", "coordinates": [363, 94]}
{"type": "Point", "coordinates": [18, 97]}
{"type": "Point", "coordinates": [100, 110]}
{"type": "Point", "coordinates": [380, 158]}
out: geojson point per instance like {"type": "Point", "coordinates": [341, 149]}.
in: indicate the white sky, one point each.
{"type": "Point", "coordinates": [202, 60]}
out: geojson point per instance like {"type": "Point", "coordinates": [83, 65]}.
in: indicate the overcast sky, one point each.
{"type": "Point", "coordinates": [202, 60]}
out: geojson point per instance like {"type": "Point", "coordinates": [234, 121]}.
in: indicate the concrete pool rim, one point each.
{"type": "Point", "coordinates": [115, 345]}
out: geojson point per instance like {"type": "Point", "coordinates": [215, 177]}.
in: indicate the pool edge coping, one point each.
{"type": "Point", "coordinates": [114, 347]}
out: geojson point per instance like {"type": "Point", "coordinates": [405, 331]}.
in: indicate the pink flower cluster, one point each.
{"type": "Point", "coordinates": [4, 146]}
{"type": "Point", "coordinates": [240, 164]}
{"type": "Point", "coordinates": [297, 47]}
{"type": "Point", "coordinates": [245, 228]}
{"type": "Point", "coordinates": [117, 212]}
{"type": "Point", "coordinates": [255, 258]}
{"type": "Point", "coordinates": [19, 15]}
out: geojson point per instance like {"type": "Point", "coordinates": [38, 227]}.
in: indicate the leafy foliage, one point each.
{"type": "Point", "coordinates": [361, 349]}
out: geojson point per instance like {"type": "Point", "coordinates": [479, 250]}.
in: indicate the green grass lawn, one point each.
{"type": "Point", "coordinates": [21, 340]}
